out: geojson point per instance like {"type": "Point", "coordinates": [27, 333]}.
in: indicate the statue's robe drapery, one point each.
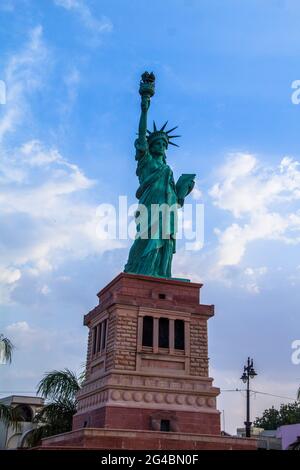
{"type": "Point", "coordinates": [152, 251]}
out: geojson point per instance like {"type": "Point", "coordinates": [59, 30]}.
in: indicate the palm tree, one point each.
{"type": "Point", "coordinates": [6, 348]}
{"type": "Point", "coordinates": [59, 388]}
{"type": "Point", "coordinates": [60, 385]}
{"type": "Point", "coordinates": [5, 413]}
{"type": "Point", "coordinates": [9, 416]}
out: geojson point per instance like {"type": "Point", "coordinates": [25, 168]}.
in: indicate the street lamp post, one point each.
{"type": "Point", "coordinates": [249, 373]}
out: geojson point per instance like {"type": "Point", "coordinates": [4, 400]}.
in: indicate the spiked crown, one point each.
{"type": "Point", "coordinates": [161, 134]}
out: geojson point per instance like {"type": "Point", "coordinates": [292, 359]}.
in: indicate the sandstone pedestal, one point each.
{"type": "Point", "coordinates": [147, 380]}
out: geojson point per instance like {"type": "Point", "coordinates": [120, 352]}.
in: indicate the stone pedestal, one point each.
{"type": "Point", "coordinates": [147, 380]}
{"type": "Point", "coordinates": [131, 385]}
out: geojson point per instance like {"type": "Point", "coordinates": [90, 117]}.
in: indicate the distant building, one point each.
{"type": "Point", "coordinates": [295, 445]}
{"type": "Point", "coordinates": [241, 432]}
{"type": "Point", "coordinates": [266, 440]}
{"type": "Point", "coordinates": [290, 436]}
{"type": "Point", "coordinates": [283, 438]}
{"type": "Point", "coordinates": [10, 438]}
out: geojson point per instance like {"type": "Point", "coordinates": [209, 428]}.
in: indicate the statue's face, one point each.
{"type": "Point", "coordinates": [158, 148]}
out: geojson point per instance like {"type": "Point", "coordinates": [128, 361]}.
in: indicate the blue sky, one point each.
{"type": "Point", "coordinates": [224, 74]}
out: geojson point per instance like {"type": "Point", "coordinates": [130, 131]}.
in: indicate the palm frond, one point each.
{"type": "Point", "coordinates": [54, 418]}
{"type": "Point", "coordinates": [298, 394]}
{"type": "Point", "coordinates": [6, 348]}
{"type": "Point", "coordinates": [59, 385]}
{"type": "Point", "coordinates": [59, 388]}
{"type": "Point", "coordinates": [5, 413]}
{"type": "Point", "coordinates": [9, 416]}
{"type": "Point", "coordinates": [55, 411]}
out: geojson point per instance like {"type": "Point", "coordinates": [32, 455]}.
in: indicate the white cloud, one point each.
{"type": "Point", "coordinates": [252, 276]}
{"type": "Point", "coordinates": [19, 327]}
{"type": "Point", "coordinates": [95, 25]}
{"type": "Point", "coordinates": [35, 155]}
{"type": "Point", "coordinates": [46, 216]}
{"type": "Point", "coordinates": [25, 336]}
{"type": "Point", "coordinates": [9, 276]}
{"type": "Point", "coordinates": [257, 196]}
{"type": "Point", "coordinates": [197, 193]}
{"type": "Point", "coordinates": [203, 267]}
{"type": "Point", "coordinates": [58, 224]}
{"type": "Point", "coordinates": [57, 349]}
{"type": "Point", "coordinates": [22, 75]}
{"type": "Point", "coordinates": [28, 339]}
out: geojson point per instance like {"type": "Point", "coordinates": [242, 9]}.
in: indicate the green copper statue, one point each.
{"type": "Point", "coordinates": [159, 197]}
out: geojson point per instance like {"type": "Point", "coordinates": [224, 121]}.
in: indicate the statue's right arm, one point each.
{"type": "Point", "coordinates": [141, 143]}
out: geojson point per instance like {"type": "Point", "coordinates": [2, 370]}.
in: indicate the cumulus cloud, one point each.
{"type": "Point", "coordinates": [46, 214]}
{"type": "Point", "coordinates": [263, 204]}
{"type": "Point", "coordinates": [9, 276]}
{"type": "Point", "coordinates": [46, 223]}
{"type": "Point", "coordinates": [260, 200]}
{"type": "Point", "coordinates": [203, 266]}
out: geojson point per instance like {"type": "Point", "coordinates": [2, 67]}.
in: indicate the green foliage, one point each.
{"type": "Point", "coordinates": [59, 385]}
{"type": "Point", "coordinates": [9, 415]}
{"type": "Point", "coordinates": [7, 346]}
{"type": "Point", "coordinates": [59, 388]}
{"type": "Point", "coordinates": [273, 418]}
{"type": "Point", "coordinates": [5, 413]}
{"type": "Point", "coordinates": [54, 418]}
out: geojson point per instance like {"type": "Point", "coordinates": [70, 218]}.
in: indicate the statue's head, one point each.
{"type": "Point", "coordinates": [159, 140]}
{"type": "Point", "coordinates": [158, 146]}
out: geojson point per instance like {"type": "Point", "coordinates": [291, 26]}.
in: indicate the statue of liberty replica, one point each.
{"type": "Point", "coordinates": [159, 197]}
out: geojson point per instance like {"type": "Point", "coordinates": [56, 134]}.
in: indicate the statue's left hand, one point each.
{"type": "Point", "coordinates": [184, 186]}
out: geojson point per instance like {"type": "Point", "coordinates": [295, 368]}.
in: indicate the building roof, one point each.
{"type": "Point", "coordinates": [22, 400]}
